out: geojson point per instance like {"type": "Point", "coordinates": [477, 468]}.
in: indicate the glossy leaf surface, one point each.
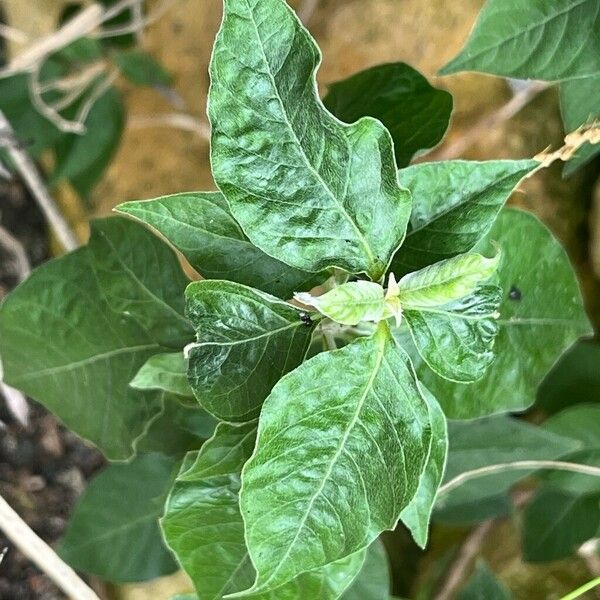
{"type": "Point", "coordinates": [114, 532]}
{"type": "Point", "coordinates": [414, 112]}
{"type": "Point", "coordinates": [166, 372]}
{"type": "Point", "coordinates": [533, 39]}
{"type": "Point", "coordinates": [201, 226]}
{"type": "Point", "coordinates": [341, 447]}
{"type": "Point", "coordinates": [246, 340]}
{"type": "Point", "coordinates": [306, 189]}
{"type": "Point", "coordinates": [455, 203]}
{"type": "Point", "coordinates": [536, 325]}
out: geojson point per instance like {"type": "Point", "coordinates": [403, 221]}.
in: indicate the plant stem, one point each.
{"type": "Point", "coordinates": [582, 590]}
{"type": "Point", "coordinates": [32, 546]}
{"type": "Point", "coordinates": [517, 466]}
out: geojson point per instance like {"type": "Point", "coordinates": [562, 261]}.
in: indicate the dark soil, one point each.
{"type": "Point", "coordinates": [43, 468]}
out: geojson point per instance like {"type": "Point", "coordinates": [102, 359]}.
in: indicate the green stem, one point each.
{"type": "Point", "coordinates": [582, 590]}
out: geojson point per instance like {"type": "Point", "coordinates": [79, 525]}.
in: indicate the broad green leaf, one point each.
{"type": "Point", "coordinates": [483, 585]}
{"type": "Point", "coordinates": [246, 340]}
{"type": "Point", "coordinates": [556, 523]}
{"type": "Point", "coordinates": [114, 531]}
{"type": "Point", "coordinates": [349, 303]}
{"type": "Point", "coordinates": [541, 315]}
{"type": "Point", "coordinates": [580, 104]}
{"type": "Point", "coordinates": [455, 203]}
{"type": "Point", "coordinates": [166, 372]}
{"type": "Point", "coordinates": [417, 514]}
{"type": "Point", "coordinates": [177, 429]}
{"type": "Point", "coordinates": [579, 423]}
{"type": "Point", "coordinates": [141, 279]}
{"type": "Point", "coordinates": [492, 441]}
{"type": "Point", "coordinates": [446, 281]}
{"type": "Point", "coordinates": [574, 380]}
{"type": "Point", "coordinates": [202, 522]}
{"type": "Point", "coordinates": [82, 159]}
{"type": "Point", "coordinates": [533, 39]}
{"type": "Point", "coordinates": [201, 227]}
{"type": "Point", "coordinates": [141, 68]}
{"type": "Point", "coordinates": [63, 344]}
{"type": "Point", "coordinates": [373, 580]}
{"type": "Point", "coordinates": [341, 447]}
{"type": "Point", "coordinates": [306, 189]}
{"type": "Point", "coordinates": [204, 527]}
{"type": "Point", "coordinates": [414, 112]}
{"type": "Point", "coordinates": [456, 339]}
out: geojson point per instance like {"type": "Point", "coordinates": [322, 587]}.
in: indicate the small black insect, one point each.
{"type": "Point", "coordinates": [305, 318]}
{"type": "Point", "coordinates": [515, 293]}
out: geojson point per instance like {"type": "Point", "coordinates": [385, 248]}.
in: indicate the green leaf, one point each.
{"type": "Point", "coordinates": [373, 580]}
{"type": "Point", "coordinates": [541, 315]}
{"type": "Point", "coordinates": [204, 527]}
{"type": "Point", "coordinates": [201, 227]}
{"type": "Point", "coordinates": [483, 585]}
{"type": "Point", "coordinates": [580, 104]}
{"type": "Point", "coordinates": [456, 340]}
{"type": "Point", "coordinates": [141, 68]}
{"type": "Point", "coordinates": [455, 203]}
{"type": "Point", "coordinates": [533, 39]}
{"type": "Point", "coordinates": [177, 429]}
{"type": "Point", "coordinates": [446, 281]}
{"type": "Point", "coordinates": [493, 441]}
{"type": "Point", "coordinates": [141, 279]}
{"type": "Point", "coordinates": [114, 532]}
{"type": "Point", "coordinates": [320, 489]}
{"type": "Point", "coordinates": [246, 340]}
{"type": "Point", "coordinates": [555, 523]}
{"type": "Point", "coordinates": [82, 159]}
{"type": "Point", "coordinates": [579, 423]}
{"type": "Point", "coordinates": [414, 112]}
{"type": "Point", "coordinates": [63, 345]}
{"type": "Point", "coordinates": [349, 303]}
{"type": "Point", "coordinates": [417, 514]}
{"type": "Point", "coordinates": [167, 372]}
{"type": "Point", "coordinates": [306, 189]}
{"type": "Point", "coordinates": [574, 380]}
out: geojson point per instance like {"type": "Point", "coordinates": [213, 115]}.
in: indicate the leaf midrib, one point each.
{"type": "Point", "coordinates": [341, 207]}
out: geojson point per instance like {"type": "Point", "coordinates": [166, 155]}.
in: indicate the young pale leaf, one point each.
{"type": "Point", "coordinates": [114, 532]}
{"type": "Point", "coordinates": [246, 340]}
{"type": "Point", "coordinates": [556, 523]}
{"type": "Point", "coordinates": [456, 340]}
{"type": "Point", "coordinates": [62, 343]}
{"type": "Point", "coordinates": [141, 278]}
{"type": "Point", "coordinates": [414, 112]}
{"type": "Point", "coordinates": [349, 303]}
{"type": "Point", "coordinates": [533, 39]}
{"type": "Point", "coordinates": [455, 203]}
{"type": "Point", "coordinates": [373, 581]}
{"type": "Point", "coordinates": [541, 315]}
{"type": "Point", "coordinates": [580, 104]}
{"type": "Point", "coordinates": [417, 514]}
{"type": "Point", "coordinates": [446, 281]}
{"type": "Point", "coordinates": [307, 189]}
{"type": "Point", "coordinates": [492, 441]}
{"type": "Point", "coordinates": [483, 585]}
{"type": "Point", "coordinates": [204, 527]}
{"type": "Point", "coordinates": [341, 447]}
{"type": "Point", "coordinates": [166, 372]}
{"type": "Point", "coordinates": [201, 226]}
{"type": "Point", "coordinates": [177, 429]}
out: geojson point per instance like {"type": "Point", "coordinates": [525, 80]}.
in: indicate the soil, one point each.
{"type": "Point", "coordinates": [44, 467]}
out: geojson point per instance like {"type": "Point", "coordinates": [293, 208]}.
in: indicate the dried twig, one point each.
{"type": "Point", "coordinates": [26, 167]}
{"type": "Point", "coordinates": [16, 250]}
{"type": "Point", "coordinates": [138, 24]}
{"type": "Point", "coordinates": [32, 546]}
{"type": "Point", "coordinates": [13, 35]}
{"type": "Point", "coordinates": [176, 120]}
{"type": "Point", "coordinates": [519, 100]}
